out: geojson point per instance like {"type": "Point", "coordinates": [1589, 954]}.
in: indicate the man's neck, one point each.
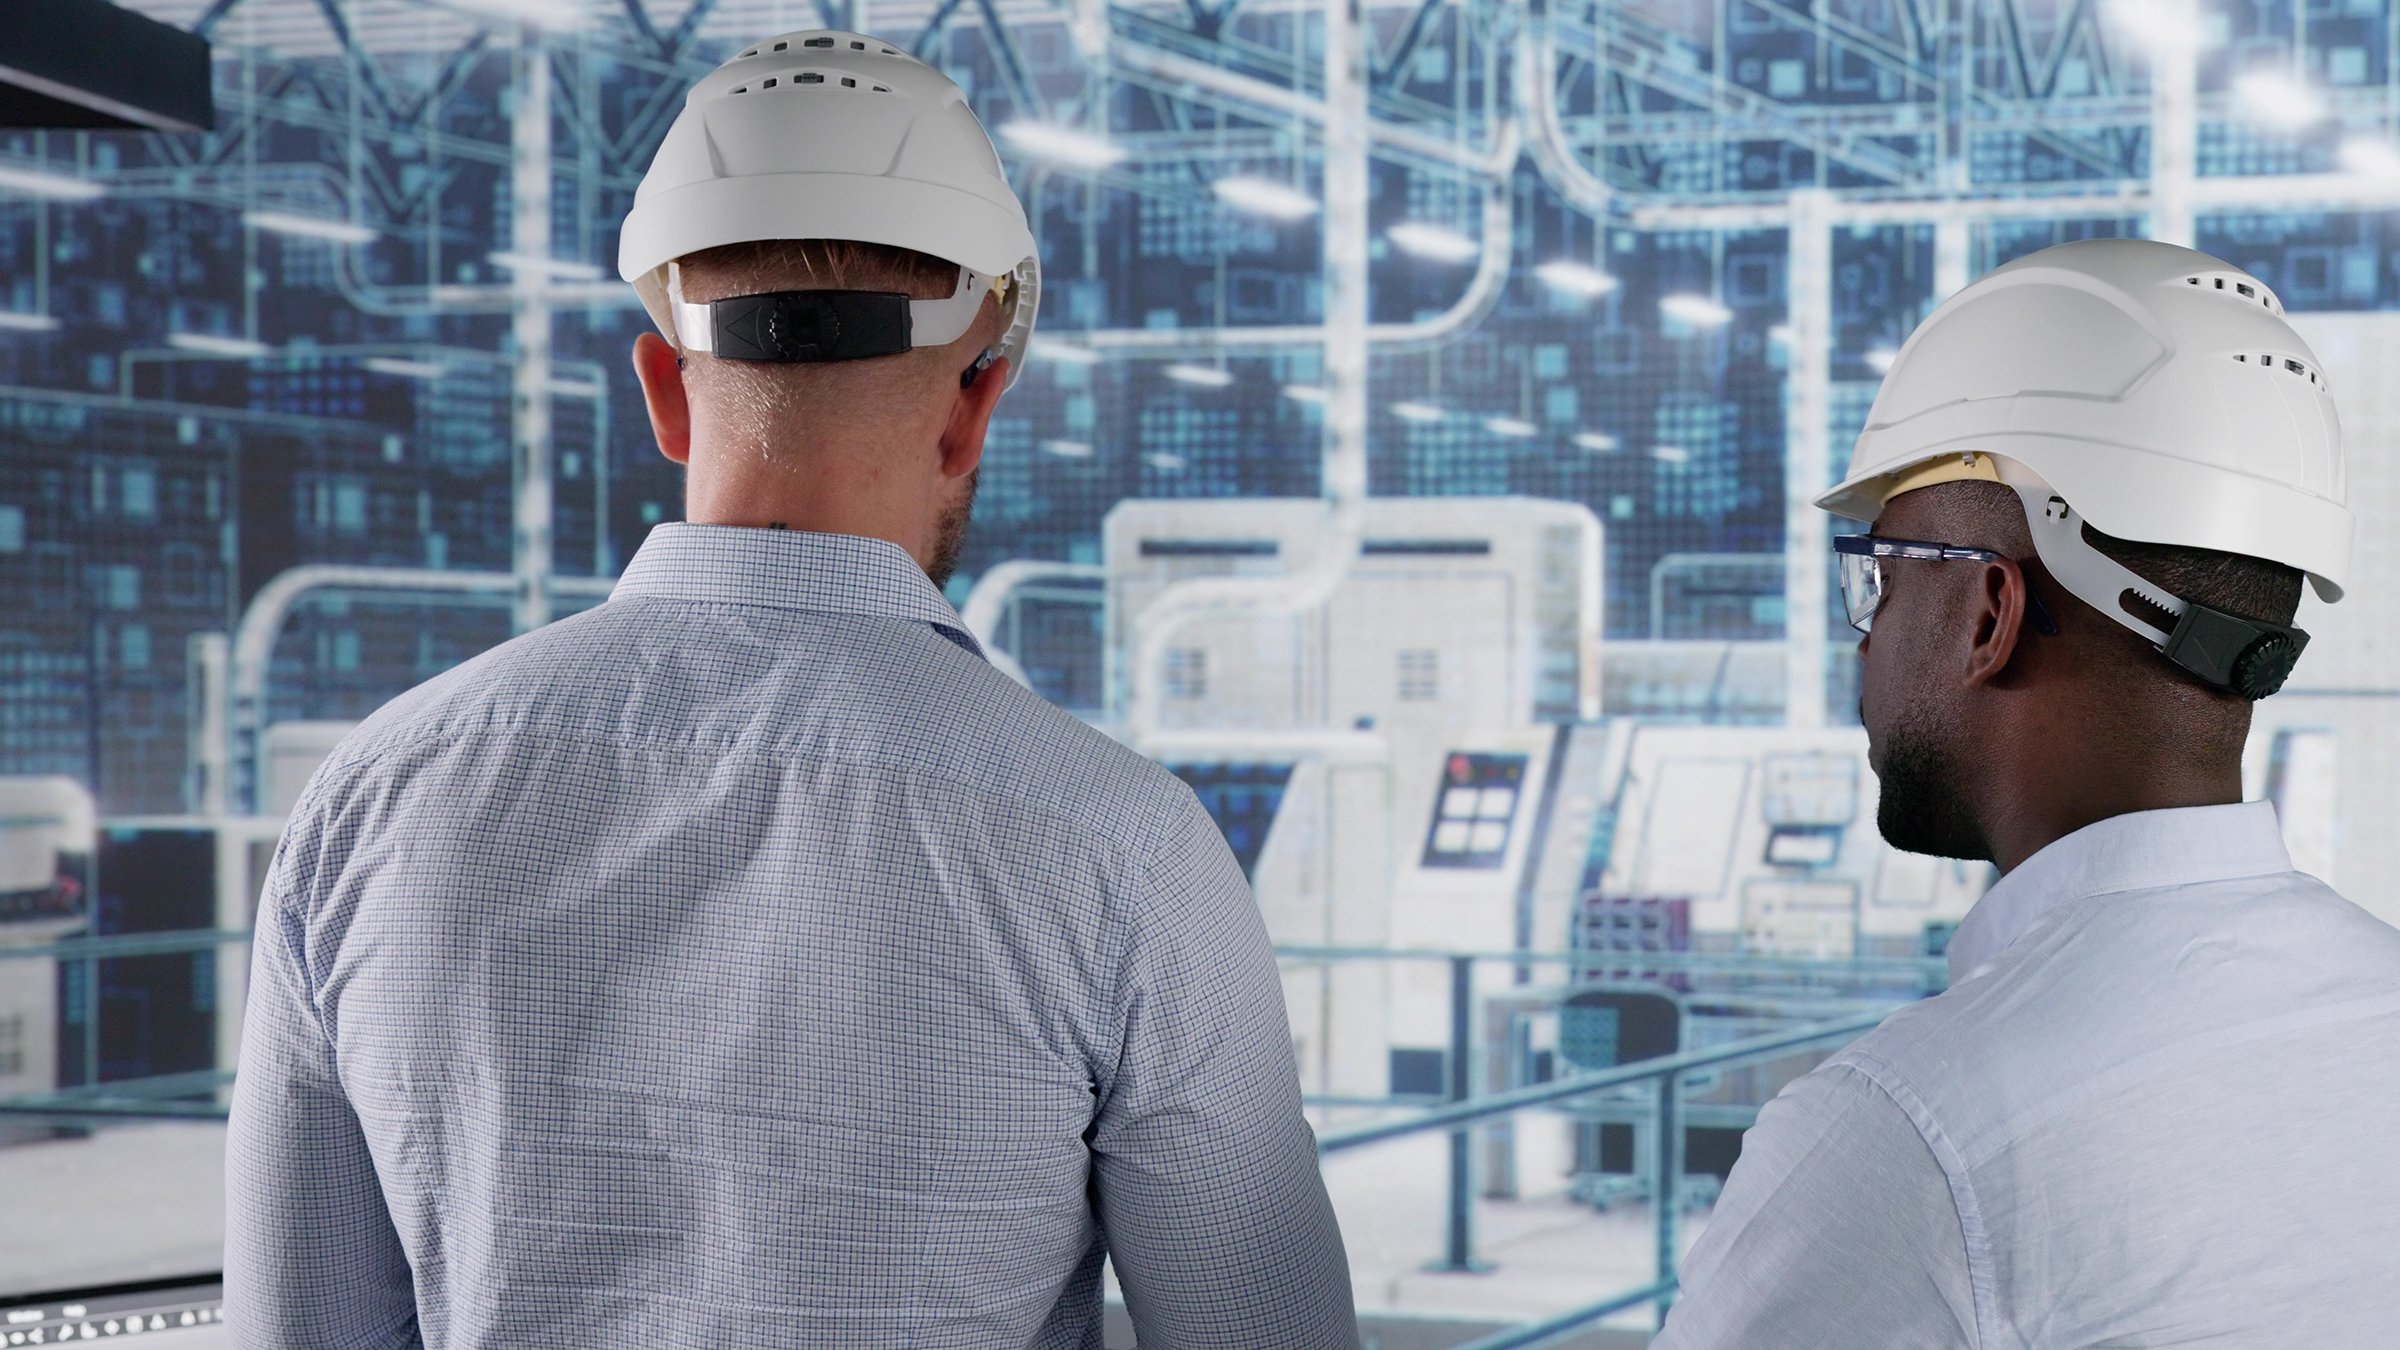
{"type": "Point", "coordinates": [780, 505]}
{"type": "Point", "coordinates": [2074, 796]}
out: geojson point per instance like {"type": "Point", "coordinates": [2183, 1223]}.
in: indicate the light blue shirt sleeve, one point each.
{"type": "Point", "coordinates": [302, 1200]}
{"type": "Point", "coordinates": [1206, 1170]}
{"type": "Point", "coordinates": [1837, 1227]}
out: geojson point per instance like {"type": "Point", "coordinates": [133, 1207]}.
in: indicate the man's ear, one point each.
{"type": "Point", "coordinates": [660, 368]}
{"type": "Point", "coordinates": [970, 418]}
{"type": "Point", "coordinates": [2001, 616]}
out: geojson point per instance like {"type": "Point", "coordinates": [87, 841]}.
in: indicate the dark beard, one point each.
{"type": "Point", "coordinates": [950, 535]}
{"type": "Point", "coordinates": [1923, 804]}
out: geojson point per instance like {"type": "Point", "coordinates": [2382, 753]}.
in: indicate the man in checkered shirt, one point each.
{"type": "Point", "coordinates": [745, 962]}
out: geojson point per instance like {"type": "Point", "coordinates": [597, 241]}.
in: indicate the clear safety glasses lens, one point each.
{"type": "Point", "coordinates": [1862, 588]}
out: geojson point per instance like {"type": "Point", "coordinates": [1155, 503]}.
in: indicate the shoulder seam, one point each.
{"type": "Point", "coordinates": [1982, 1283]}
{"type": "Point", "coordinates": [1137, 888]}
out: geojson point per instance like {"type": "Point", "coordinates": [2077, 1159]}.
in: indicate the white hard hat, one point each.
{"type": "Point", "coordinates": [832, 135]}
{"type": "Point", "coordinates": [2155, 391]}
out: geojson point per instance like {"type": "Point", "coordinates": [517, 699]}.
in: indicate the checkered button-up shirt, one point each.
{"type": "Point", "coordinates": [745, 962]}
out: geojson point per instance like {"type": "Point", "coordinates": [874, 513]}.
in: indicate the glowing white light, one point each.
{"type": "Point", "coordinates": [414, 370]}
{"type": "Point", "coordinates": [2279, 100]}
{"type": "Point", "coordinates": [214, 345]}
{"type": "Point", "coordinates": [1207, 377]}
{"type": "Point", "coordinates": [1574, 278]}
{"type": "Point", "coordinates": [1068, 353]}
{"type": "Point", "coordinates": [1697, 310]}
{"type": "Point", "coordinates": [308, 227]}
{"type": "Point", "coordinates": [563, 15]}
{"type": "Point", "coordinates": [1516, 427]}
{"type": "Point", "coordinates": [1063, 145]}
{"type": "Point", "coordinates": [1068, 449]}
{"type": "Point", "coordinates": [2370, 157]}
{"type": "Point", "coordinates": [1881, 359]}
{"type": "Point", "coordinates": [1265, 197]}
{"type": "Point", "coordinates": [1782, 333]}
{"type": "Point", "coordinates": [1162, 460]}
{"type": "Point", "coordinates": [2161, 25]}
{"type": "Point", "coordinates": [50, 185]}
{"type": "Point", "coordinates": [1595, 440]}
{"type": "Point", "coordinates": [559, 268]}
{"type": "Point", "coordinates": [1304, 393]}
{"type": "Point", "coordinates": [19, 321]}
{"type": "Point", "coordinates": [575, 389]}
{"type": "Point", "coordinates": [1670, 454]}
{"type": "Point", "coordinates": [1433, 241]}
{"type": "Point", "coordinates": [1410, 410]}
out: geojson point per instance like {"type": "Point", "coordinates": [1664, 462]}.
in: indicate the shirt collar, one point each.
{"type": "Point", "coordinates": [2139, 851]}
{"type": "Point", "coordinates": [789, 569]}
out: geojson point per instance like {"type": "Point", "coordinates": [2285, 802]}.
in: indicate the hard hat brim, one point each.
{"type": "Point", "coordinates": [2148, 497]}
{"type": "Point", "coordinates": [948, 223]}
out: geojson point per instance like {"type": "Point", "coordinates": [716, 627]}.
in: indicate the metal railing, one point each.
{"type": "Point", "coordinates": [1905, 978]}
{"type": "Point", "coordinates": [1667, 1072]}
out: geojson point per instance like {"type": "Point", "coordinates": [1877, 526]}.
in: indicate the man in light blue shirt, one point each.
{"type": "Point", "coordinates": [746, 962]}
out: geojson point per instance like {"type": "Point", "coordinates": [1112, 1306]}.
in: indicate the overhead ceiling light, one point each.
{"type": "Point", "coordinates": [2279, 100]}
{"type": "Point", "coordinates": [56, 185]}
{"type": "Point", "coordinates": [558, 268]}
{"type": "Point", "coordinates": [1569, 277]}
{"type": "Point", "coordinates": [1781, 332]}
{"type": "Point", "coordinates": [214, 345]}
{"type": "Point", "coordinates": [576, 388]}
{"type": "Point", "coordinates": [1208, 377]}
{"type": "Point", "coordinates": [1413, 410]}
{"type": "Point", "coordinates": [1515, 427]}
{"type": "Point", "coordinates": [1066, 353]}
{"type": "Point", "coordinates": [1670, 454]}
{"type": "Point", "coordinates": [1433, 241]}
{"type": "Point", "coordinates": [1063, 145]}
{"type": "Point", "coordinates": [2371, 157]}
{"type": "Point", "coordinates": [2161, 25]}
{"type": "Point", "coordinates": [308, 227]}
{"type": "Point", "coordinates": [1265, 197]}
{"type": "Point", "coordinates": [1595, 440]}
{"type": "Point", "coordinates": [414, 370]}
{"type": "Point", "coordinates": [1304, 393]}
{"type": "Point", "coordinates": [18, 321]}
{"type": "Point", "coordinates": [1171, 463]}
{"type": "Point", "coordinates": [1697, 310]}
{"type": "Point", "coordinates": [564, 15]}
{"type": "Point", "coordinates": [1068, 449]}
{"type": "Point", "coordinates": [1881, 359]}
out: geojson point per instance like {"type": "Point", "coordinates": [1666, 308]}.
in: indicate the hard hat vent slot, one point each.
{"type": "Point", "coordinates": [806, 77]}
{"type": "Point", "coordinates": [2246, 289]}
{"type": "Point", "coordinates": [812, 42]}
{"type": "Point", "coordinates": [2287, 364]}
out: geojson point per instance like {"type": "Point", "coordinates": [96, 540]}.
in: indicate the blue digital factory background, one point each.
{"type": "Point", "coordinates": [1644, 258]}
{"type": "Point", "coordinates": [191, 402]}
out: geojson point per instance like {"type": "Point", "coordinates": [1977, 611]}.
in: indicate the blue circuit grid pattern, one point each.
{"type": "Point", "coordinates": [160, 469]}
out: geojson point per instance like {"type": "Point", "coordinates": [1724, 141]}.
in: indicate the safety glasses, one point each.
{"type": "Point", "coordinates": [1862, 557]}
